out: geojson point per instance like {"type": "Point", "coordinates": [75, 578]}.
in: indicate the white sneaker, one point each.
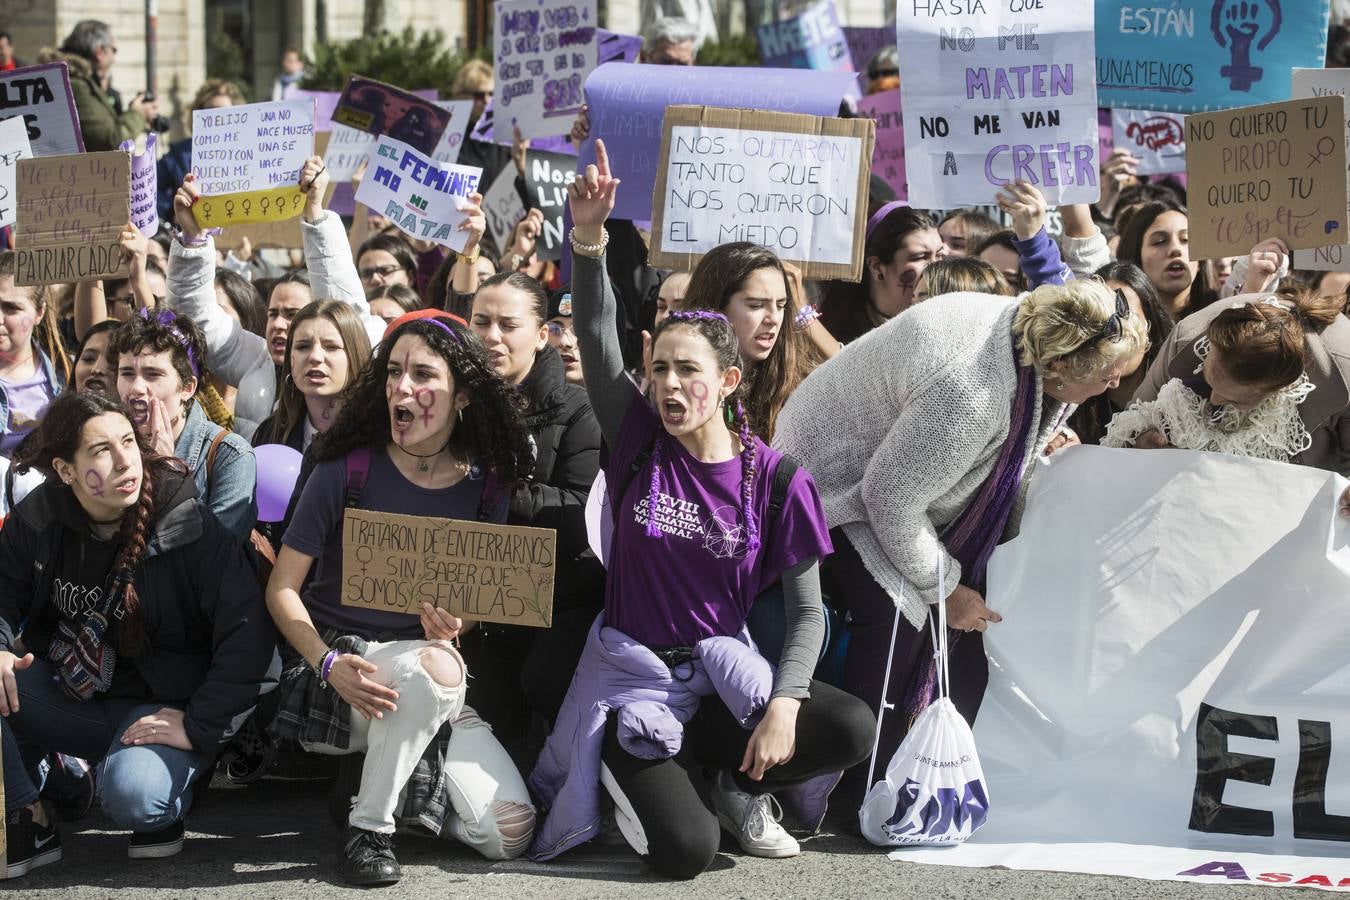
{"type": "Point", "coordinates": [752, 820]}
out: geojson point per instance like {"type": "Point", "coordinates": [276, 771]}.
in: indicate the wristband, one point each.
{"type": "Point", "coordinates": [182, 239]}
{"type": "Point", "coordinates": [464, 257]}
{"type": "Point", "coordinates": [326, 665]}
{"type": "Point", "coordinates": [805, 316]}
{"type": "Point", "coordinates": [589, 249]}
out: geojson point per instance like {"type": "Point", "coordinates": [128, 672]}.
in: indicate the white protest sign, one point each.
{"type": "Point", "coordinates": [545, 49]}
{"type": "Point", "coordinates": [247, 160]}
{"type": "Point", "coordinates": [995, 91]}
{"type": "Point", "coordinates": [452, 140]}
{"type": "Point", "coordinates": [14, 146]}
{"type": "Point", "coordinates": [40, 96]}
{"type": "Point", "coordinates": [794, 184]}
{"type": "Point", "coordinates": [1324, 83]}
{"type": "Point", "coordinates": [1169, 696]}
{"type": "Point", "coordinates": [347, 149]}
{"type": "Point", "coordinates": [1157, 138]}
{"type": "Point", "coordinates": [502, 208]}
{"type": "Point", "coordinates": [418, 194]}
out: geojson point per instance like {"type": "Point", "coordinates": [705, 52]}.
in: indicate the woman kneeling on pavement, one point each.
{"type": "Point", "coordinates": [669, 683]}
{"type": "Point", "coordinates": [132, 631]}
{"type": "Point", "coordinates": [428, 429]}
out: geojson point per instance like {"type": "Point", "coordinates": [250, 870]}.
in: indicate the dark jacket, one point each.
{"type": "Point", "coordinates": [211, 642]}
{"type": "Point", "coordinates": [102, 126]}
{"type": "Point", "coordinates": [567, 458]}
{"type": "Point", "coordinates": [170, 171]}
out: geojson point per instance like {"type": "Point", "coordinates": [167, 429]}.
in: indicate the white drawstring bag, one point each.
{"type": "Point", "coordinates": [934, 792]}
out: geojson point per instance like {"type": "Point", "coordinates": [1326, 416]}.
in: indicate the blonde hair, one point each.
{"type": "Point", "coordinates": [474, 76]}
{"type": "Point", "coordinates": [1063, 323]}
{"type": "Point", "coordinates": [218, 87]}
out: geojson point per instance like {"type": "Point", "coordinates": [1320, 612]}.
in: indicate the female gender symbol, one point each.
{"type": "Point", "coordinates": [700, 392]}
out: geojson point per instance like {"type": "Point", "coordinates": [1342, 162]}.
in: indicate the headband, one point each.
{"type": "Point", "coordinates": [697, 315]}
{"type": "Point", "coordinates": [434, 316]}
{"type": "Point", "coordinates": [166, 319]}
{"type": "Point", "coordinates": [882, 213]}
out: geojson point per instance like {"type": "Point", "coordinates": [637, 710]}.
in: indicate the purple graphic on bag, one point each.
{"type": "Point", "coordinates": [944, 812]}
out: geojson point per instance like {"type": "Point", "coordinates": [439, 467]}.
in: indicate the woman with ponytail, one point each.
{"type": "Point", "coordinates": [33, 366]}
{"type": "Point", "coordinates": [427, 429]}
{"type": "Point", "coordinates": [160, 364]}
{"type": "Point", "coordinates": [145, 642]}
{"type": "Point", "coordinates": [1259, 374]}
{"type": "Point", "coordinates": [706, 516]}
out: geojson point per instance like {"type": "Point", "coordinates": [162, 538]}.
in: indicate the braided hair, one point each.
{"type": "Point", "coordinates": [58, 437]}
{"type": "Point", "coordinates": [492, 432]}
{"type": "Point", "coordinates": [716, 329]}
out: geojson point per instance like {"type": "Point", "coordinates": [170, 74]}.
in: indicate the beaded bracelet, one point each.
{"type": "Point", "coordinates": [589, 249]}
{"type": "Point", "coordinates": [805, 316]}
{"type": "Point", "coordinates": [326, 665]}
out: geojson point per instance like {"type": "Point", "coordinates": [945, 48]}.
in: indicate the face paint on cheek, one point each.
{"type": "Point", "coordinates": [94, 482]}
{"type": "Point", "coordinates": [699, 391]}
{"type": "Point", "coordinates": [26, 323]}
{"type": "Point", "coordinates": [426, 400]}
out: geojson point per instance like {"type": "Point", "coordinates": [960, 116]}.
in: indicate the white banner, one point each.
{"type": "Point", "coordinates": [998, 91]}
{"type": "Point", "coordinates": [1157, 138]}
{"type": "Point", "coordinates": [419, 195]}
{"type": "Point", "coordinates": [1170, 674]}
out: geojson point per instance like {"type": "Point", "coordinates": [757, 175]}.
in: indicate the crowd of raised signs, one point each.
{"type": "Point", "coordinates": [190, 453]}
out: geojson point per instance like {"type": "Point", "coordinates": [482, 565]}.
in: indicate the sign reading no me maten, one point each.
{"type": "Point", "coordinates": [489, 573]}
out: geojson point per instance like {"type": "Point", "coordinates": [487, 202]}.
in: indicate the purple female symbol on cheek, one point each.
{"type": "Point", "coordinates": [426, 400]}
{"type": "Point", "coordinates": [699, 390]}
{"type": "Point", "coordinates": [94, 482]}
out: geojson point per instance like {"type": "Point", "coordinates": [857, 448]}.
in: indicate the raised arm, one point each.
{"type": "Point", "coordinates": [591, 198]}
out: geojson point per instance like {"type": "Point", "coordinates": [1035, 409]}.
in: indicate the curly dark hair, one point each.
{"type": "Point", "coordinates": [491, 434]}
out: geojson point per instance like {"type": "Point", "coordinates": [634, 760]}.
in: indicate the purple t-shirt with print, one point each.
{"type": "Point", "coordinates": [28, 402]}
{"type": "Point", "coordinates": [316, 530]}
{"type": "Point", "coordinates": [697, 580]}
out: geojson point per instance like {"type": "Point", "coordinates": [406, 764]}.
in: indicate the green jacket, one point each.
{"type": "Point", "coordinates": [102, 127]}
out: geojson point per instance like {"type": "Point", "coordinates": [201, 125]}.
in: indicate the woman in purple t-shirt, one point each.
{"type": "Point", "coordinates": [428, 429]}
{"type": "Point", "coordinates": [695, 542]}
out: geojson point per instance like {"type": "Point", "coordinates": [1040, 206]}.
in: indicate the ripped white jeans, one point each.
{"type": "Point", "coordinates": [491, 809]}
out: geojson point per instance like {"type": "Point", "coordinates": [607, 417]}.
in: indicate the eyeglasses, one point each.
{"type": "Point", "coordinates": [557, 330]}
{"type": "Point", "coordinates": [382, 271]}
{"type": "Point", "coordinates": [1114, 327]}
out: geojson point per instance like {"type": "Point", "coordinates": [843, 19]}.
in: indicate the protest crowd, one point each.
{"type": "Point", "coordinates": [679, 513]}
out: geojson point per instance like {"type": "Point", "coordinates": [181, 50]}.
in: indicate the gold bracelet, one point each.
{"type": "Point", "coordinates": [477, 252]}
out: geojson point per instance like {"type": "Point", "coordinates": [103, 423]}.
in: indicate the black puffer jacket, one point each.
{"type": "Point", "coordinates": [567, 458]}
{"type": "Point", "coordinates": [211, 643]}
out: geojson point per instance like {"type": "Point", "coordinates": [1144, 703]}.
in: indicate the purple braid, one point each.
{"type": "Point", "coordinates": [652, 530]}
{"type": "Point", "coordinates": [748, 459]}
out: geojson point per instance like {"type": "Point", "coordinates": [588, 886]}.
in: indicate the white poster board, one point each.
{"type": "Point", "coordinates": [1157, 138]}
{"type": "Point", "coordinates": [452, 140]}
{"type": "Point", "coordinates": [14, 146]}
{"type": "Point", "coordinates": [421, 196]}
{"type": "Point", "coordinates": [1169, 696]}
{"type": "Point", "coordinates": [1324, 83]}
{"type": "Point", "coordinates": [991, 94]}
{"type": "Point", "coordinates": [241, 149]}
{"type": "Point", "coordinates": [543, 52]}
{"type": "Point", "coordinates": [502, 207]}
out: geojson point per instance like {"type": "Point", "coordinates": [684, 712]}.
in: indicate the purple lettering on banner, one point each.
{"type": "Point", "coordinates": [144, 214]}
{"type": "Point", "coordinates": [888, 157]}
{"type": "Point", "coordinates": [628, 105]}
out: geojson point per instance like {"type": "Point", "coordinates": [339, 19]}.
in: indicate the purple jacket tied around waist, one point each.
{"type": "Point", "coordinates": [618, 674]}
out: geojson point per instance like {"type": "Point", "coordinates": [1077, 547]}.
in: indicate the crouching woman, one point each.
{"type": "Point", "coordinates": [429, 429]}
{"type": "Point", "coordinates": [145, 643]}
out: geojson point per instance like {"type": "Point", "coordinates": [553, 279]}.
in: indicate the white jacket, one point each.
{"type": "Point", "coordinates": [902, 428]}
{"type": "Point", "coordinates": [240, 357]}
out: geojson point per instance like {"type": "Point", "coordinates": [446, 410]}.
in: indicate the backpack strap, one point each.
{"type": "Point", "coordinates": [639, 463]}
{"type": "Point", "coordinates": [358, 468]}
{"type": "Point", "coordinates": [778, 491]}
{"type": "Point", "coordinates": [211, 458]}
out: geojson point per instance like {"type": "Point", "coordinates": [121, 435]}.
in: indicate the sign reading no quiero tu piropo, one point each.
{"type": "Point", "coordinates": [795, 184]}
{"type": "Point", "coordinates": [996, 91]}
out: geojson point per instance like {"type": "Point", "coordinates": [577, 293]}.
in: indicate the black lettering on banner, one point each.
{"type": "Point", "coordinates": [1311, 820]}
{"type": "Point", "coordinates": [1215, 765]}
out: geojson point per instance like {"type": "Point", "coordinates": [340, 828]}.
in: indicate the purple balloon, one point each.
{"type": "Point", "coordinates": [278, 469]}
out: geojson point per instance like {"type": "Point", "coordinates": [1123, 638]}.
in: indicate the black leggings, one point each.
{"type": "Point", "coordinates": [670, 796]}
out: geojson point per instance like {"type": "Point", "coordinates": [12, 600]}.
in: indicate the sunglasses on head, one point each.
{"type": "Point", "coordinates": [1114, 327]}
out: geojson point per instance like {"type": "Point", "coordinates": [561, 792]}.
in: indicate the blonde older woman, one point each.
{"type": "Point", "coordinates": [920, 436]}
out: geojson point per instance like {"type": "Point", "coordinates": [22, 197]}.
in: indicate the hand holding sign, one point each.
{"type": "Point", "coordinates": [591, 197]}
{"type": "Point", "coordinates": [183, 200]}
{"type": "Point", "coordinates": [314, 185]}
{"type": "Point", "coordinates": [1266, 259]}
{"type": "Point", "coordinates": [475, 222]}
{"type": "Point", "coordinates": [439, 624]}
{"type": "Point", "coordinates": [1025, 205]}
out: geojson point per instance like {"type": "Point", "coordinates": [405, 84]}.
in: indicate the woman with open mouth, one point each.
{"type": "Point", "coordinates": [427, 429]}
{"type": "Point", "coordinates": [145, 641]}
{"type": "Point", "coordinates": [705, 517]}
{"type": "Point", "coordinates": [509, 315]}
{"type": "Point", "coordinates": [93, 371]}
{"type": "Point", "coordinates": [1156, 237]}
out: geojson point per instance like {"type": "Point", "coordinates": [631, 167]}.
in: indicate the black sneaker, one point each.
{"type": "Point", "coordinates": [30, 845]}
{"type": "Point", "coordinates": [366, 858]}
{"type": "Point", "coordinates": [156, 844]}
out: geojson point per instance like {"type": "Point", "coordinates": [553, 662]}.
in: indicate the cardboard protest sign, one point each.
{"type": "Point", "coordinates": [72, 210]}
{"type": "Point", "coordinates": [811, 40]}
{"type": "Point", "coordinates": [13, 147]}
{"type": "Point", "coordinates": [144, 182]}
{"type": "Point", "coordinates": [545, 49]}
{"type": "Point", "coordinates": [546, 178]}
{"type": "Point", "coordinates": [488, 573]}
{"type": "Point", "coordinates": [1157, 138]}
{"type": "Point", "coordinates": [1323, 83]}
{"type": "Point", "coordinates": [41, 96]}
{"type": "Point", "coordinates": [376, 108]}
{"type": "Point", "coordinates": [795, 184]}
{"type": "Point", "coordinates": [627, 104]}
{"type": "Point", "coordinates": [418, 194]}
{"type": "Point", "coordinates": [1196, 55]}
{"type": "Point", "coordinates": [1271, 171]}
{"type": "Point", "coordinates": [247, 160]}
{"type": "Point", "coordinates": [991, 96]}
{"type": "Point", "coordinates": [502, 207]}
{"type": "Point", "coordinates": [888, 159]}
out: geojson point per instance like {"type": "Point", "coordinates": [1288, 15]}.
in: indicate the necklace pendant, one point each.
{"type": "Point", "coordinates": [422, 465]}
